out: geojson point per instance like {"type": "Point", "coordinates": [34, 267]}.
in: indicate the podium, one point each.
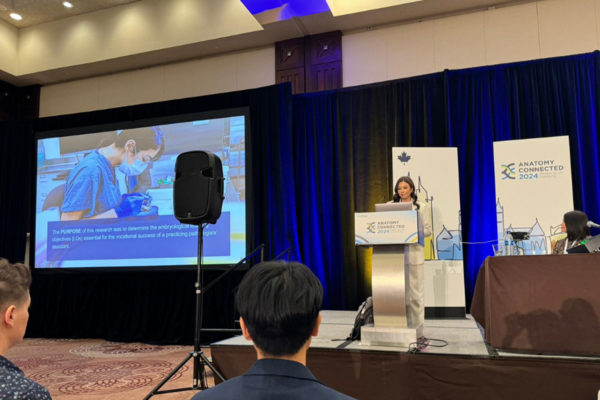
{"type": "Point", "coordinates": [389, 233]}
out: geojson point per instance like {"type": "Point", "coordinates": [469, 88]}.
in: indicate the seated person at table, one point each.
{"type": "Point", "coordinates": [279, 305]}
{"type": "Point", "coordinates": [575, 226]}
{"type": "Point", "coordinates": [15, 280]}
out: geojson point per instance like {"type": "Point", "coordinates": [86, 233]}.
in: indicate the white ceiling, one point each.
{"type": "Point", "coordinates": [273, 32]}
{"type": "Point", "coordinates": [35, 12]}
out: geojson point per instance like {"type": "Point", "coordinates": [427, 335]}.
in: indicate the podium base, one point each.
{"type": "Point", "coordinates": [371, 335]}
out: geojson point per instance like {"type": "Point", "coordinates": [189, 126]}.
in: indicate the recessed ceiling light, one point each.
{"type": "Point", "coordinates": [67, 4]}
{"type": "Point", "coordinates": [16, 16]}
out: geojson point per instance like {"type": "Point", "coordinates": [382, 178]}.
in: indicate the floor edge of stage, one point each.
{"type": "Point", "coordinates": [466, 367]}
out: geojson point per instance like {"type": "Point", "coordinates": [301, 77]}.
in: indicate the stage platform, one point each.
{"type": "Point", "coordinates": [465, 368]}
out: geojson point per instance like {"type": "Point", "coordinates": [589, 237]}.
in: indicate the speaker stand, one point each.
{"type": "Point", "coordinates": [199, 359]}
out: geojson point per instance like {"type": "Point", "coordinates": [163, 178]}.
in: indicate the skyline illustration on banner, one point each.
{"type": "Point", "coordinates": [448, 243]}
{"type": "Point", "coordinates": [538, 242]}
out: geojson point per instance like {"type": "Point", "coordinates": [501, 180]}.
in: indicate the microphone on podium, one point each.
{"type": "Point", "coordinates": [591, 224]}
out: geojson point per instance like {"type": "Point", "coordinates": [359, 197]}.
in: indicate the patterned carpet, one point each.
{"type": "Point", "coordinates": [97, 369]}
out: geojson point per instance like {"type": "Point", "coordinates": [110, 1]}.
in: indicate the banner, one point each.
{"type": "Point", "coordinates": [534, 189]}
{"type": "Point", "coordinates": [435, 174]}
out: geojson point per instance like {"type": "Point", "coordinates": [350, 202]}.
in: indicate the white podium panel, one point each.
{"type": "Point", "coordinates": [388, 227]}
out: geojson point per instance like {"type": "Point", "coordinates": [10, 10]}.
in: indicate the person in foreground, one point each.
{"type": "Point", "coordinates": [279, 305]}
{"type": "Point", "coordinates": [575, 226]}
{"type": "Point", "coordinates": [15, 280]}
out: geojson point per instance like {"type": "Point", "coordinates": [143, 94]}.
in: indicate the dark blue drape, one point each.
{"type": "Point", "coordinates": [16, 144]}
{"type": "Point", "coordinates": [342, 164]}
{"type": "Point", "coordinates": [134, 305]}
{"type": "Point", "coordinates": [561, 97]}
{"type": "Point", "coordinates": [318, 158]}
{"type": "Point", "coordinates": [518, 101]}
{"type": "Point", "coordinates": [474, 114]}
{"type": "Point", "coordinates": [342, 142]}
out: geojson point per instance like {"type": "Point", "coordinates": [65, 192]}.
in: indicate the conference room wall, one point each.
{"type": "Point", "coordinates": [9, 36]}
{"type": "Point", "coordinates": [221, 74]}
{"type": "Point", "coordinates": [529, 31]}
{"type": "Point", "coordinates": [130, 29]}
{"type": "Point", "coordinates": [523, 32]}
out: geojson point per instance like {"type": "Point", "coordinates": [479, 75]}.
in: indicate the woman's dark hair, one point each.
{"type": "Point", "coordinates": [576, 223]}
{"type": "Point", "coordinates": [148, 138]}
{"type": "Point", "coordinates": [280, 303]}
{"type": "Point", "coordinates": [413, 195]}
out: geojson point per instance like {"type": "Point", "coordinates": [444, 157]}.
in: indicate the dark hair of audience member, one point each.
{"type": "Point", "coordinates": [279, 303]}
{"type": "Point", "coordinates": [15, 280]}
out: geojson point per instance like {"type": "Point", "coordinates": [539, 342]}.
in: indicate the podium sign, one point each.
{"type": "Point", "coordinates": [388, 227]}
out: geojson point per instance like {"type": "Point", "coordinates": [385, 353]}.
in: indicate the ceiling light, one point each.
{"type": "Point", "coordinates": [16, 16]}
{"type": "Point", "coordinates": [67, 4]}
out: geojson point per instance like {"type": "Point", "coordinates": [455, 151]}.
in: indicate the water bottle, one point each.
{"type": "Point", "coordinates": [41, 155]}
{"type": "Point", "coordinates": [513, 247]}
{"type": "Point", "coordinates": [508, 244]}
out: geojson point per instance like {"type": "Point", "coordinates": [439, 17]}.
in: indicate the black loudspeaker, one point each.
{"type": "Point", "coordinates": [198, 188]}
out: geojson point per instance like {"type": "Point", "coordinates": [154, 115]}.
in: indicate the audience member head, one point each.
{"type": "Point", "coordinates": [575, 225]}
{"type": "Point", "coordinates": [279, 305]}
{"type": "Point", "coordinates": [15, 280]}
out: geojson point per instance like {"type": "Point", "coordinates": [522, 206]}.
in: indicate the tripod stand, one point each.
{"type": "Point", "coordinates": [200, 362]}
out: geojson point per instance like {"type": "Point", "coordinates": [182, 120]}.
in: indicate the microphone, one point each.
{"type": "Point", "coordinates": [591, 224]}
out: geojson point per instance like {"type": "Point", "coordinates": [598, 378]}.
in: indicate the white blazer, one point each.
{"type": "Point", "coordinates": [416, 253]}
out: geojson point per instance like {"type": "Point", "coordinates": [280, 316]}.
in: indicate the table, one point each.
{"type": "Point", "coordinates": [540, 304]}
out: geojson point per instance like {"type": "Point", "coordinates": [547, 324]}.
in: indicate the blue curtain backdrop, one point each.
{"type": "Point", "coordinates": [318, 158]}
{"type": "Point", "coordinates": [342, 163]}
{"type": "Point", "coordinates": [519, 101]}
{"type": "Point", "coordinates": [150, 305]}
{"type": "Point", "coordinates": [16, 144]}
{"type": "Point", "coordinates": [342, 156]}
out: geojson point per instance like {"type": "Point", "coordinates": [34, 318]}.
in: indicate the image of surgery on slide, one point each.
{"type": "Point", "coordinates": [116, 188]}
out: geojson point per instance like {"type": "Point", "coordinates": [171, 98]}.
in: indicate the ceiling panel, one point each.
{"type": "Point", "coordinates": [35, 12]}
{"type": "Point", "coordinates": [411, 12]}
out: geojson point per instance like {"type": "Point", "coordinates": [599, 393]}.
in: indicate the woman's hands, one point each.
{"type": "Point", "coordinates": [131, 204]}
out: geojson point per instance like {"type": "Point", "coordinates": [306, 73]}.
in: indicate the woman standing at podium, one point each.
{"type": "Point", "coordinates": [404, 192]}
